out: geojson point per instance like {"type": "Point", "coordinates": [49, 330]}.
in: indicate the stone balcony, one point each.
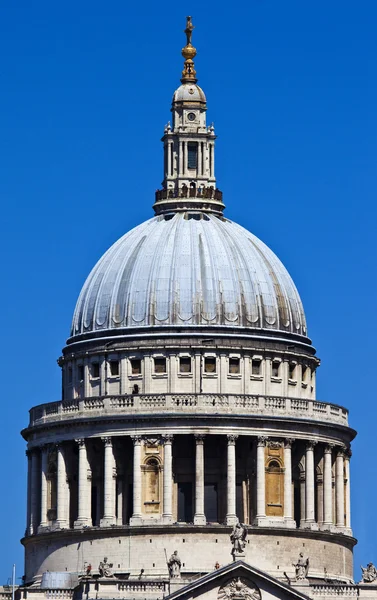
{"type": "Point", "coordinates": [190, 404]}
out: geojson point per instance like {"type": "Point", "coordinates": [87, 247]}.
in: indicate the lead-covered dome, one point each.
{"type": "Point", "coordinates": [186, 270]}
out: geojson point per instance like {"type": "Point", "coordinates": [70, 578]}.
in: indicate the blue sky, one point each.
{"type": "Point", "coordinates": [85, 93]}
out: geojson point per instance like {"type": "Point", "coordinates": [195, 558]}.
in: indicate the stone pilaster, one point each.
{"type": "Point", "coordinates": [310, 522]}
{"type": "Point", "coordinates": [83, 516]}
{"type": "Point", "coordinates": [339, 488]}
{"type": "Point", "coordinates": [62, 499]}
{"type": "Point", "coordinates": [231, 517]}
{"type": "Point", "coordinates": [261, 481]}
{"type": "Point", "coordinates": [136, 518]}
{"type": "Point", "coordinates": [288, 499]}
{"type": "Point", "coordinates": [199, 517]}
{"type": "Point", "coordinates": [44, 473]}
{"type": "Point", "coordinates": [167, 514]}
{"type": "Point", "coordinates": [28, 502]}
{"type": "Point", "coordinates": [327, 488]}
{"type": "Point", "coordinates": [348, 491]}
{"type": "Point", "coordinates": [108, 484]}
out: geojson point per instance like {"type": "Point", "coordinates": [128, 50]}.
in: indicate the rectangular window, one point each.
{"type": "Point", "coordinates": [80, 372]}
{"type": "Point", "coordinates": [234, 366]}
{"type": "Point", "coordinates": [192, 155]}
{"type": "Point", "coordinates": [135, 366]}
{"type": "Point", "coordinates": [160, 365]}
{"type": "Point", "coordinates": [292, 370]}
{"type": "Point", "coordinates": [275, 368]}
{"type": "Point", "coordinates": [95, 370]}
{"type": "Point", "coordinates": [210, 364]}
{"type": "Point", "coordinates": [114, 368]}
{"type": "Point", "coordinates": [185, 364]}
{"type": "Point", "coordinates": [69, 374]}
{"type": "Point", "coordinates": [256, 366]}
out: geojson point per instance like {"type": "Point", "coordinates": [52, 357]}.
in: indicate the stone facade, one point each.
{"type": "Point", "coordinates": [172, 432]}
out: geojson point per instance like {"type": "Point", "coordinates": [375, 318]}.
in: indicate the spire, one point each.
{"type": "Point", "coordinates": [188, 53]}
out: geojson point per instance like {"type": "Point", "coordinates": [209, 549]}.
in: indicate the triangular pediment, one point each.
{"type": "Point", "coordinates": [236, 581]}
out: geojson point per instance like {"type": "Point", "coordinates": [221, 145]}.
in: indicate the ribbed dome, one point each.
{"type": "Point", "coordinates": [189, 270]}
{"type": "Point", "coordinates": [189, 92]}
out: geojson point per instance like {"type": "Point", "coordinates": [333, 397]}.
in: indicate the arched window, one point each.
{"type": "Point", "coordinates": [274, 489]}
{"type": "Point", "coordinates": [151, 475]}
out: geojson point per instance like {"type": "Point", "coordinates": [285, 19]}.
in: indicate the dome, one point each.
{"type": "Point", "coordinates": [189, 92]}
{"type": "Point", "coordinates": [187, 270]}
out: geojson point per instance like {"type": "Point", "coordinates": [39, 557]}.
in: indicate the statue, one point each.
{"type": "Point", "coordinates": [105, 568]}
{"type": "Point", "coordinates": [174, 565]}
{"type": "Point", "coordinates": [238, 539]}
{"type": "Point", "coordinates": [301, 567]}
{"type": "Point", "coordinates": [189, 29]}
{"type": "Point", "coordinates": [369, 573]}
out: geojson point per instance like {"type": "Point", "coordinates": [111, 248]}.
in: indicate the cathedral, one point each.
{"type": "Point", "coordinates": [189, 456]}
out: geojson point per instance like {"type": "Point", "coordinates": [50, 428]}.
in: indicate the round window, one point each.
{"type": "Point", "coordinates": [191, 116]}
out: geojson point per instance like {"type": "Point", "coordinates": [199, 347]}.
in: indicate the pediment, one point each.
{"type": "Point", "coordinates": [237, 581]}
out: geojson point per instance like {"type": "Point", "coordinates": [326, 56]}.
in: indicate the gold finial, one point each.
{"type": "Point", "coordinates": [188, 53]}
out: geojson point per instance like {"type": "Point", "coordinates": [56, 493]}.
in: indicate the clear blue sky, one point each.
{"type": "Point", "coordinates": [85, 93]}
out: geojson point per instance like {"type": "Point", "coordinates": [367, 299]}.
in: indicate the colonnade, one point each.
{"type": "Point", "coordinates": [333, 513]}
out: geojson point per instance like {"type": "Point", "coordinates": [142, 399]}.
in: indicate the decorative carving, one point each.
{"type": "Point", "coordinates": [274, 445]}
{"type": "Point", "coordinates": [136, 439]}
{"type": "Point", "coordinates": [288, 442]}
{"type": "Point", "coordinates": [239, 588]}
{"type": "Point", "coordinates": [328, 448]}
{"type": "Point", "coordinates": [369, 573]}
{"type": "Point", "coordinates": [105, 568]}
{"type": "Point", "coordinates": [81, 442]}
{"type": "Point", "coordinates": [238, 539]}
{"type": "Point", "coordinates": [232, 439]}
{"type": "Point", "coordinates": [310, 444]}
{"type": "Point", "coordinates": [262, 440]}
{"type": "Point", "coordinates": [107, 441]}
{"type": "Point", "coordinates": [199, 438]}
{"type": "Point", "coordinates": [301, 567]}
{"type": "Point", "coordinates": [174, 566]}
{"type": "Point", "coordinates": [167, 439]}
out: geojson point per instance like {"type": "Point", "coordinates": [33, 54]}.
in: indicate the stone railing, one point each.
{"type": "Point", "coordinates": [206, 193]}
{"type": "Point", "coordinates": [203, 404]}
{"type": "Point", "coordinates": [334, 590]}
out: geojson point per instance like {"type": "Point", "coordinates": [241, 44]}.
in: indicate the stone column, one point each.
{"type": "Point", "coordinates": [310, 487]}
{"type": "Point", "coordinates": [34, 491]}
{"type": "Point", "coordinates": [28, 505]}
{"type": "Point", "coordinates": [136, 518]}
{"type": "Point", "coordinates": [168, 162]}
{"type": "Point", "coordinates": [109, 475]}
{"type": "Point", "coordinates": [288, 501]}
{"type": "Point", "coordinates": [119, 487]}
{"type": "Point", "coordinates": [200, 159]}
{"type": "Point", "coordinates": [327, 487]}
{"type": "Point", "coordinates": [348, 491]}
{"type": "Point", "coordinates": [83, 516]}
{"type": "Point", "coordinates": [184, 159]}
{"type": "Point", "coordinates": [44, 472]}
{"type": "Point", "coordinates": [62, 496]}
{"type": "Point", "coordinates": [167, 513]}
{"type": "Point", "coordinates": [199, 517]}
{"type": "Point", "coordinates": [231, 516]}
{"type": "Point", "coordinates": [302, 499]}
{"type": "Point", "coordinates": [180, 158]}
{"type": "Point", "coordinates": [261, 481]}
{"type": "Point", "coordinates": [339, 487]}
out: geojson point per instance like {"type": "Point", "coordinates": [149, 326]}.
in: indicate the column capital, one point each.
{"type": "Point", "coordinates": [288, 442]}
{"type": "Point", "coordinates": [274, 444]}
{"type": "Point", "coordinates": [107, 440]}
{"type": "Point", "coordinates": [262, 441]}
{"type": "Point", "coordinates": [348, 453]}
{"type": "Point", "coordinates": [81, 442]}
{"type": "Point", "coordinates": [329, 448]}
{"type": "Point", "coordinates": [232, 439]}
{"type": "Point", "coordinates": [199, 438]}
{"type": "Point", "coordinates": [167, 438]}
{"type": "Point", "coordinates": [341, 450]}
{"type": "Point", "coordinates": [310, 444]}
{"type": "Point", "coordinates": [46, 447]}
{"type": "Point", "coordinates": [137, 439]}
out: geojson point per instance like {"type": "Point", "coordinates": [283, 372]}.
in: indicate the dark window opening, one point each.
{"type": "Point", "coordinates": [135, 366]}
{"type": "Point", "coordinates": [80, 372]}
{"type": "Point", "coordinates": [95, 369]}
{"type": "Point", "coordinates": [275, 369]}
{"type": "Point", "coordinates": [256, 367]}
{"type": "Point", "coordinates": [211, 502]}
{"type": "Point", "coordinates": [304, 373]}
{"type": "Point", "coordinates": [234, 365]}
{"type": "Point", "coordinates": [160, 365]}
{"type": "Point", "coordinates": [185, 513]}
{"type": "Point", "coordinates": [192, 155]}
{"type": "Point", "coordinates": [135, 389]}
{"type": "Point", "coordinates": [210, 364]}
{"type": "Point", "coordinates": [114, 368]}
{"type": "Point", "coordinates": [292, 368]}
{"type": "Point", "coordinates": [185, 364]}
